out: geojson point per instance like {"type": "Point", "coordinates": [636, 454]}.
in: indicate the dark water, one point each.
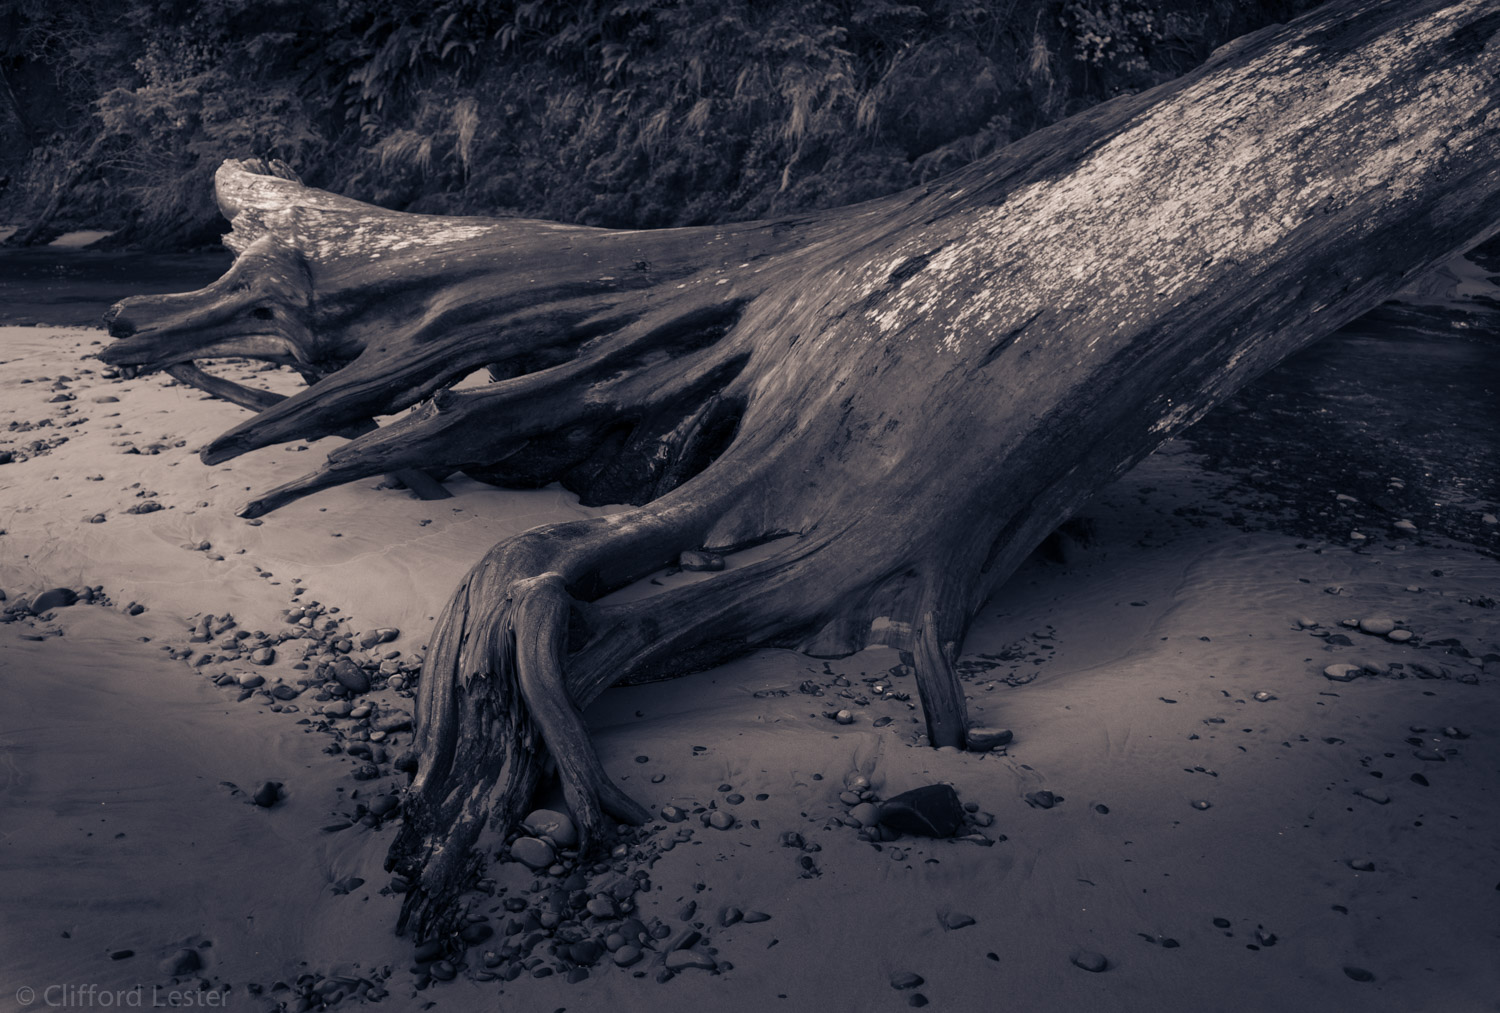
{"type": "Point", "coordinates": [75, 287]}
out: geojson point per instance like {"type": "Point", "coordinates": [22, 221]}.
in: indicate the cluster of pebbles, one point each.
{"type": "Point", "coordinates": [44, 603]}
{"type": "Point", "coordinates": [571, 913]}
{"type": "Point", "coordinates": [1378, 628]}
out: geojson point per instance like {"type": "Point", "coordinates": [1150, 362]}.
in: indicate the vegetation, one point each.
{"type": "Point", "coordinates": [639, 113]}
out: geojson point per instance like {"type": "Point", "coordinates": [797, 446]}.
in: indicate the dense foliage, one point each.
{"type": "Point", "coordinates": [609, 112]}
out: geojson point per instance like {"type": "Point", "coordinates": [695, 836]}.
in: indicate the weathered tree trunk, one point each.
{"type": "Point", "coordinates": [906, 394]}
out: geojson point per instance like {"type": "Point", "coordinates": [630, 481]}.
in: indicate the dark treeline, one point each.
{"type": "Point", "coordinates": [628, 113]}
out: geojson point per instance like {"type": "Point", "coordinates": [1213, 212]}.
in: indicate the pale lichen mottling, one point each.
{"type": "Point", "coordinates": [1214, 175]}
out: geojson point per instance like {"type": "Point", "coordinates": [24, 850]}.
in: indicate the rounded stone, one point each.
{"type": "Point", "coordinates": [844, 717]}
{"type": "Point", "coordinates": [1342, 672]}
{"type": "Point", "coordinates": [866, 813]}
{"type": "Point", "coordinates": [1089, 960]}
{"type": "Point", "coordinates": [1399, 636]}
{"type": "Point", "coordinates": [1377, 626]}
{"type": "Point", "coordinates": [532, 852]}
{"type": "Point", "coordinates": [57, 597]}
{"type": "Point", "coordinates": [553, 824]}
{"type": "Point", "coordinates": [627, 955]}
{"type": "Point", "coordinates": [906, 979]}
{"type": "Point", "coordinates": [720, 820]}
{"type": "Point", "coordinates": [672, 814]}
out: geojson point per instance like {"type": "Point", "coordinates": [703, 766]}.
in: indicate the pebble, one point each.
{"type": "Point", "coordinates": [1431, 755]}
{"type": "Point", "coordinates": [551, 823]}
{"type": "Point", "coordinates": [1377, 626]}
{"type": "Point", "coordinates": [844, 717]}
{"type": "Point", "coordinates": [532, 852]}
{"type": "Point", "coordinates": [751, 917]}
{"type": "Point", "coordinates": [1307, 624]}
{"type": "Point", "coordinates": [1342, 672]}
{"type": "Point", "coordinates": [57, 597]}
{"type": "Point", "coordinates": [627, 955]}
{"type": "Point", "coordinates": [957, 920]}
{"type": "Point", "coordinates": [252, 681]}
{"type": "Point", "coordinates": [1399, 636]}
{"type": "Point", "coordinates": [681, 960]}
{"type": "Point", "coordinates": [602, 906]}
{"type": "Point", "coordinates": [1089, 960]}
{"type": "Point", "coordinates": [984, 739]}
{"type": "Point", "coordinates": [672, 814]}
{"type": "Point", "coordinates": [365, 772]}
{"type": "Point", "coordinates": [720, 820]}
{"type": "Point", "coordinates": [916, 999]}
{"type": "Point", "coordinates": [906, 979]}
{"type": "Point", "coordinates": [1359, 974]}
{"type": "Point", "coordinates": [1377, 795]}
{"type": "Point", "coordinates": [1361, 865]}
{"type": "Point", "coordinates": [700, 561]}
{"type": "Point", "coordinates": [867, 814]}
{"type": "Point", "coordinates": [351, 676]}
{"type": "Point", "coordinates": [263, 656]}
{"type": "Point", "coordinates": [1202, 803]}
{"type": "Point", "coordinates": [383, 805]}
{"type": "Point", "coordinates": [930, 811]}
{"type": "Point", "coordinates": [1404, 527]}
{"type": "Point", "coordinates": [268, 794]}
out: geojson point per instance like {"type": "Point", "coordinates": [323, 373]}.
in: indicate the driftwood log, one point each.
{"type": "Point", "coordinates": [905, 395]}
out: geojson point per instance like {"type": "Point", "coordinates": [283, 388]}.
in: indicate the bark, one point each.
{"type": "Point", "coordinates": [906, 395]}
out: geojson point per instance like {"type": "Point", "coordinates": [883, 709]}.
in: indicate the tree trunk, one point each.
{"type": "Point", "coordinates": [906, 395]}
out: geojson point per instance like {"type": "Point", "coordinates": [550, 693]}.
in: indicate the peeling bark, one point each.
{"type": "Point", "coordinates": [907, 395]}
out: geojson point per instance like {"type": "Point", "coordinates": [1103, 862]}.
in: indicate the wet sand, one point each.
{"type": "Point", "coordinates": [1207, 837]}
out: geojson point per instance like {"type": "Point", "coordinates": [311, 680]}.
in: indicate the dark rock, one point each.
{"type": "Point", "coordinates": [268, 794]}
{"type": "Point", "coordinates": [55, 598]}
{"type": "Point", "coordinates": [906, 979]}
{"type": "Point", "coordinates": [1089, 960]}
{"type": "Point", "coordinates": [1042, 799]}
{"type": "Point", "coordinates": [930, 811]}
{"type": "Point", "coordinates": [351, 676]}
{"type": "Point", "coordinates": [1359, 974]}
{"type": "Point", "coordinates": [700, 561]}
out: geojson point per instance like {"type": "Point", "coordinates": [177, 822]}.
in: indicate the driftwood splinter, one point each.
{"type": "Point", "coordinates": [902, 397]}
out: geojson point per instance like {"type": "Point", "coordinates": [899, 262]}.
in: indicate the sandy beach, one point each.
{"type": "Point", "coordinates": [1196, 812]}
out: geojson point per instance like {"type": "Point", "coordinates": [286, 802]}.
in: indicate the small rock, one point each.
{"type": "Point", "coordinates": [982, 740]}
{"type": "Point", "coordinates": [351, 676]}
{"type": "Point", "coordinates": [384, 805]}
{"type": "Point", "coordinates": [844, 717]}
{"type": "Point", "coordinates": [957, 920]}
{"type": "Point", "coordinates": [1359, 974]}
{"type": "Point", "coordinates": [627, 955]}
{"type": "Point", "coordinates": [1042, 799]}
{"type": "Point", "coordinates": [1263, 696]}
{"type": "Point", "coordinates": [752, 917]}
{"type": "Point", "coordinates": [533, 852]}
{"type": "Point", "coordinates": [1089, 960]}
{"type": "Point", "coordinates": [57, 597]}
{"type": "Point", "coordinates": [365, 772]}
{"type": "Point", "coordinates": [182, 963]}
{"type": "Point", "coordinates": [1430, 755]}
{"type": "Point", "coordinates": [700, 561]}
{"type": "Point", "coordinates": [672, 814]}
{"type": "Point", "coordinates": [867, 814]}
{"type": "Point", "coordinates": [551, 823]}
{"type": "Point", "coordinates": [1342, 672]}
{"type": "Point", "coordinates": [1404, 527]}
{"type": "Point", "coordinates": [263, 656]}
{"type": "Point", "coordinates": [602, 906]}
{"type": "Point", "coordinates": [252, 681]}
{"type": "Point", "coordinates": [1377, 626]}
{"type": "Point", "coordinates": [1399, 636]}
{"type": "Point", "coordinates": [1377, 795]}
{"type": "Point", "coordinates": [720, 820]}
{"type": "Point", "coordinates": [268, 794]}
{"type": "Point", "coordinates": [1361, 865]}
{"type": "Point", "coordinates": [1202, 803]}
{"type": "Point", "coordinates": [1307, 624]}
{"type": "Point", "coordinates": [930, 811]}
{"type": "Point", "coordinates": [906, 979]}
{"type": "Point", "coordinates": [681, 960]}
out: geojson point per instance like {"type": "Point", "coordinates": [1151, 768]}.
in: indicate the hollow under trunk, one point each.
{"type": "Point", "coordinates": [905, 395]}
